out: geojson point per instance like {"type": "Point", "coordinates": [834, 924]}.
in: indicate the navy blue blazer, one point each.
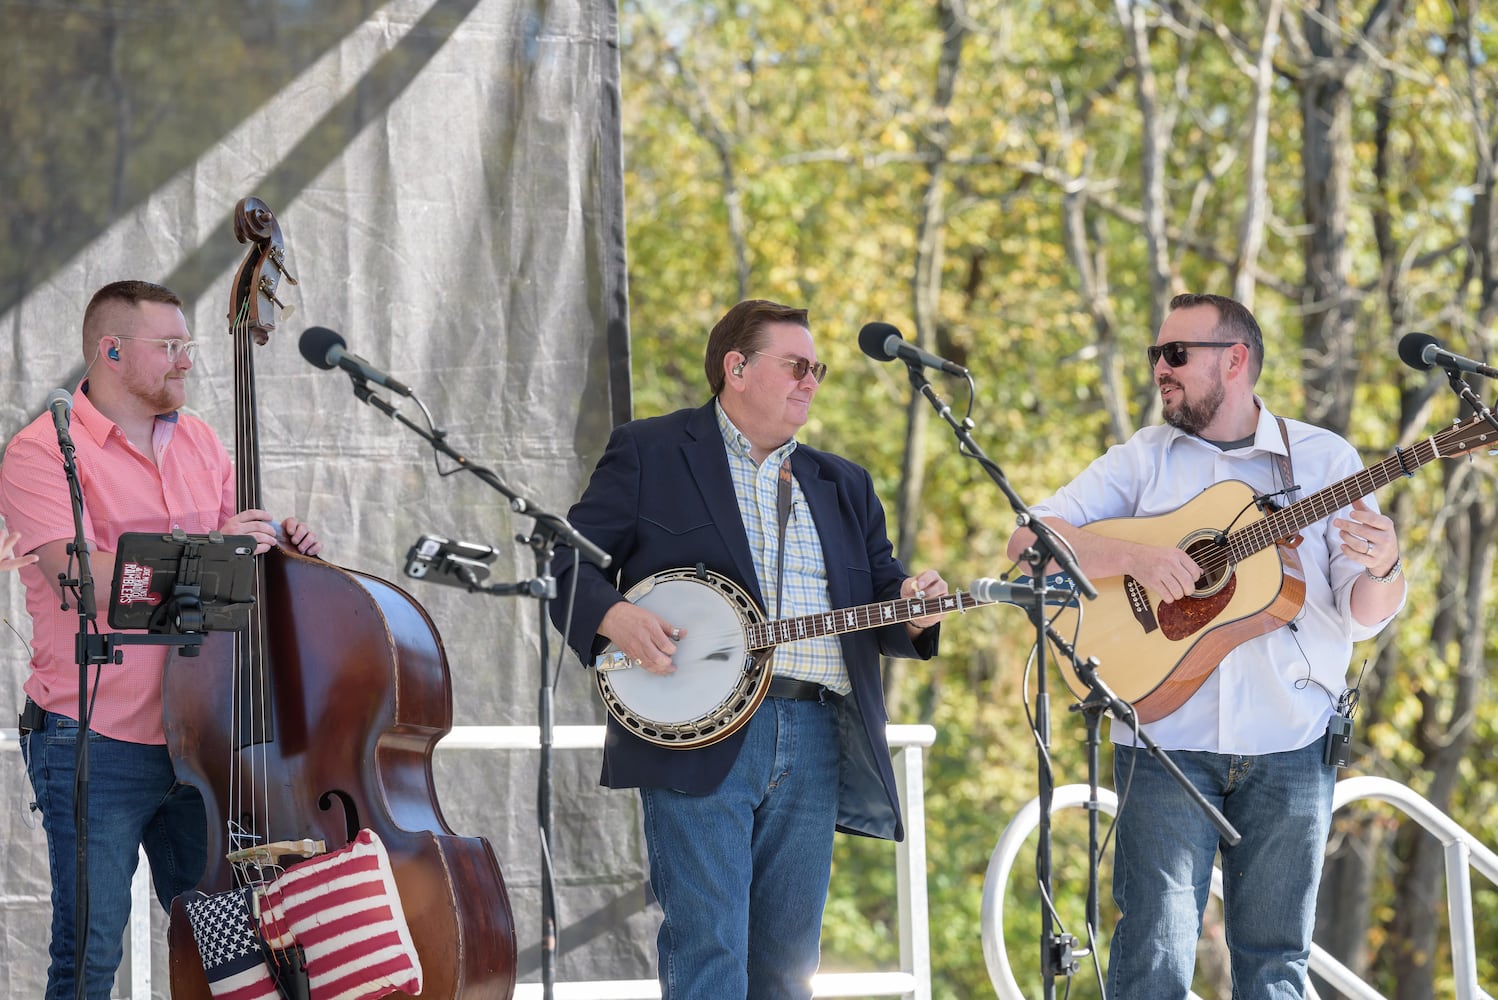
{"type": "Point", "coordinates": [662, 498]}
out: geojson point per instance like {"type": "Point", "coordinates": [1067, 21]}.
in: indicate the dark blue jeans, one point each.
{"type": "Point", "coordinates": [1281, 804]}
{"type": "Point", "coordinates": [134, 801]}
{"type": "Point", "coordinates": [741, 874]}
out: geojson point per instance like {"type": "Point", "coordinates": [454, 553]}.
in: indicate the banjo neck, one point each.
{"type": "Point", "coordinates": [763, 635]}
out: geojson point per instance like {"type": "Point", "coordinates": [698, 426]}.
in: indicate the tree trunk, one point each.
{"type": "Point", "coordinates": [1326, 113]}
{"type": "Point", "coordinates": [1446, 730]}
{"type": "Point", "coordinates": [925, 296]}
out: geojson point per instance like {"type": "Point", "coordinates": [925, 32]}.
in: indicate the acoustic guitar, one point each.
{"type": "Point", "coordinates": [1156, 655]}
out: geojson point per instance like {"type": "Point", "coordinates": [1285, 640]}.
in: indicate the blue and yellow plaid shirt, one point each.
{"type": "Point", "coordinates": [819, 660]}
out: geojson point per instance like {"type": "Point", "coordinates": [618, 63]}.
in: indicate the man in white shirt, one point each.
{"type": "Point", "coordinates": [1251, 738]}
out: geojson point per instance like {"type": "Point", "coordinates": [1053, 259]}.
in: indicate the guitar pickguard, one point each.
{"type": "Point", "coordinates": [1190, 615]}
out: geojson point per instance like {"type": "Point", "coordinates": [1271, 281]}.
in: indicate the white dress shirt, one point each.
{"type": "Point", "coordinates": [1275, 692]}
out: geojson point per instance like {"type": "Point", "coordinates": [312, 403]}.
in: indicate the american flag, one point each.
{"type": "Point", "coordinates": [345, 912]}
{"type": "Point", "coordinates": [232, 955]}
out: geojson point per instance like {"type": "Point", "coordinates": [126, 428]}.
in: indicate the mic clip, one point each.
{"type": "Point", "coordinates": [366, 394]}
{"type": "Point", "coordinates": [1265, 502]}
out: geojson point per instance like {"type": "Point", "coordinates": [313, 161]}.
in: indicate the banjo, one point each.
{"type": "Point", "coordinates": [723, 660]}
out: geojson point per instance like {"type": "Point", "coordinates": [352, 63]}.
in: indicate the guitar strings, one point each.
{"type": "Point", "coordinates": [1261, 534]}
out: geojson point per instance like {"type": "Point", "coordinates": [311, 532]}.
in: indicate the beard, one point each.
{"type": "Point", "coordinates": [163, 395]}
{"type": "Point", "coordinates": [1192, 415]}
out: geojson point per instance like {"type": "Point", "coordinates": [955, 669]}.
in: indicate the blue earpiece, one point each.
{"type": "Point", "coordinates": [114, 354]}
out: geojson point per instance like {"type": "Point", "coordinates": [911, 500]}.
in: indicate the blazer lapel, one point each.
{"type": "Point", "coordinates": [707, 462]}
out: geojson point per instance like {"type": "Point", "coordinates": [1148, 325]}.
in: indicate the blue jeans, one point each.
{"type": "Point", "coordinates": [741, 874]}
{"type": "Point", "coordinates": [134, 800]}
{"type": "Point", "coordinates": [1281, 804]}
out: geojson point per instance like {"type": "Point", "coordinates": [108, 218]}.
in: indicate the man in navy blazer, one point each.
{"type": "Point", "coordinates": [740, 831]}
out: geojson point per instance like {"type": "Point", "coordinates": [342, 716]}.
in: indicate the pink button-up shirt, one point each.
{"type": "Point", "coordinates": [190, 486]}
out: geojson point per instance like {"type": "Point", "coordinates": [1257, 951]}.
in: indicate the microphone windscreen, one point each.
{"type": "Point", "coordinates": [1412, 350]}
{"type": "Point", "coordinates": [315, 344]}
{"type": "Point", "coordinates": [873, 338]}
{"type": "Point", "coordinates": [60, 395]}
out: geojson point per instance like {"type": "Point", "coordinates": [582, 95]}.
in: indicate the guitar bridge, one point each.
{"type": "Point", "coordinates": [1139, 604]}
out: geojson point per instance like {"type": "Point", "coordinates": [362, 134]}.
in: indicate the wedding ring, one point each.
{"type": "Point", "coordinates": [1370, 545]}
{"type": "Point", "coordinates": [676, 635]}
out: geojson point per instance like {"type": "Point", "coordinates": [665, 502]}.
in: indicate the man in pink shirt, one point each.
{"type": "Point", "coordinates": [143, 465]}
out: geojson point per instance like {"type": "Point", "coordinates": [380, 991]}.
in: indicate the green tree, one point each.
{"type": "Point", "coordinates": [1021, 186]}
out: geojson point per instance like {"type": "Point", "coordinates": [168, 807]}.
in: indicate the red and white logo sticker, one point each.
{"type": "Point", "coordinates": [135, 585]}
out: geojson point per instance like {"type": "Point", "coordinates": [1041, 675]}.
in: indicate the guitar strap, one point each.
{"type": "Point", "coordinates": [1284, 464]}
{"type": "Point", "coordinates": [783, 512]}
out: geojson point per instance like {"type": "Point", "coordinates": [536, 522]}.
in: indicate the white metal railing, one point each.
{"type": "Point", "coordinates": [1463, 852]}
{"type": "Point", "coordinates": [912, 981]}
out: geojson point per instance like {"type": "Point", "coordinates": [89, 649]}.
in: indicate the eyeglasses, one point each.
{"type": "Point", "coordinates": [1174, 351]}
{"type": "Point", "coordinates": [800, 366]}
{"type": "Point", "coordinates": [175, 348]}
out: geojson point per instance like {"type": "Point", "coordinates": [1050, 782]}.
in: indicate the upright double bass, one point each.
{"type": "Point", "coordinates": [319, 720]}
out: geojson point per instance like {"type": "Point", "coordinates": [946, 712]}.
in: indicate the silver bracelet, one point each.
{"type": "Point", "coordinates": [1390, 576]}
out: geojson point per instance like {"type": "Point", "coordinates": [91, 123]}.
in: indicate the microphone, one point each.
{"type": "Point", "coordinates": [60, 402]}
{"type": "Point", "coordinates": [325, 349]}
{"type": "Point", "coordinates": [883, 342]}
{"type": "Point", "coordinates": [987, 590]}
{"type": "Point", "coordinates": [1423, 352]}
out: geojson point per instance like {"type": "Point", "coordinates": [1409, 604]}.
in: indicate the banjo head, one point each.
{"type": "Point", "coordinates": [718, 681]}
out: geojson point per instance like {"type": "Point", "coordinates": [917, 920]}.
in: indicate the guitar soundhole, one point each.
{"type": "Point", "coordinates": [1214, 590]}
{"type": "Point", "coordinates": [1209, 548]}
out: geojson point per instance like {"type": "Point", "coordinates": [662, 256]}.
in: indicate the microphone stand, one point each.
{"type": "Point", "coordinates": [83, 587]}
{"type": "Point", "coordinates": [549, 530]}
{"type": "Point", "coordinates": [1058, 951]}
{"type": "Point", "coordinates": [1461, 388]}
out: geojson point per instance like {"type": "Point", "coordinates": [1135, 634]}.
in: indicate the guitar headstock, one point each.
{"type": "Point", "coordinates": [1471, 435]}
{"type": "Point", "coordinates": [253, 302]}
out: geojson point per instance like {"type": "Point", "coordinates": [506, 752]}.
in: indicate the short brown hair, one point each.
{"type": "Point", "coordinates": [1234, 322]}
{"type": "Point", "coordinates": [131, 293]}
{"type": "Point", "coordinates": [742, 329]}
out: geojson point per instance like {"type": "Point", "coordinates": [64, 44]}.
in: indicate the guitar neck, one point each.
{"type": "Point", "coordinates": [1288, 521]}
{"type": "Point", "coordinates": [762, 635]}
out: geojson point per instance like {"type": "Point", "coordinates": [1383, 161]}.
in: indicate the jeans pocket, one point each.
{"type": "Point", "coordinates": [60, 731]}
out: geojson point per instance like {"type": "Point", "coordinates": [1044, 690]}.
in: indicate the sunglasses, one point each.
{"type": "Point", "coordinates": [800, 366]}
{"type": "Point", "coordinates": [1174, 351]}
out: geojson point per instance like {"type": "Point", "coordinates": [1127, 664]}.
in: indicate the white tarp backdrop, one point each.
{"type": "Point", "coordinates": [447, 176]}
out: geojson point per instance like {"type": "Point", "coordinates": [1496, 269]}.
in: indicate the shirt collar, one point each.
{"type": "Point", "coordinates": [1266, 432]}
{"type": "Point", "coordinates": [1267, 435]}
{"type": "Point", "coordinates": [737, 444]}
{"type": "Point", "coordinates": [98, 426]}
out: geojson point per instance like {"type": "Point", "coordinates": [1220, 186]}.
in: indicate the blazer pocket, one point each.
{"type": "Point", "coordinates": [860, 584]}
{"type": "Point", "coordinates": [683, 527]}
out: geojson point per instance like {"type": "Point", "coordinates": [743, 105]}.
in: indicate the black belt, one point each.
{"type": "Point", "coordinates": [799, 690]}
